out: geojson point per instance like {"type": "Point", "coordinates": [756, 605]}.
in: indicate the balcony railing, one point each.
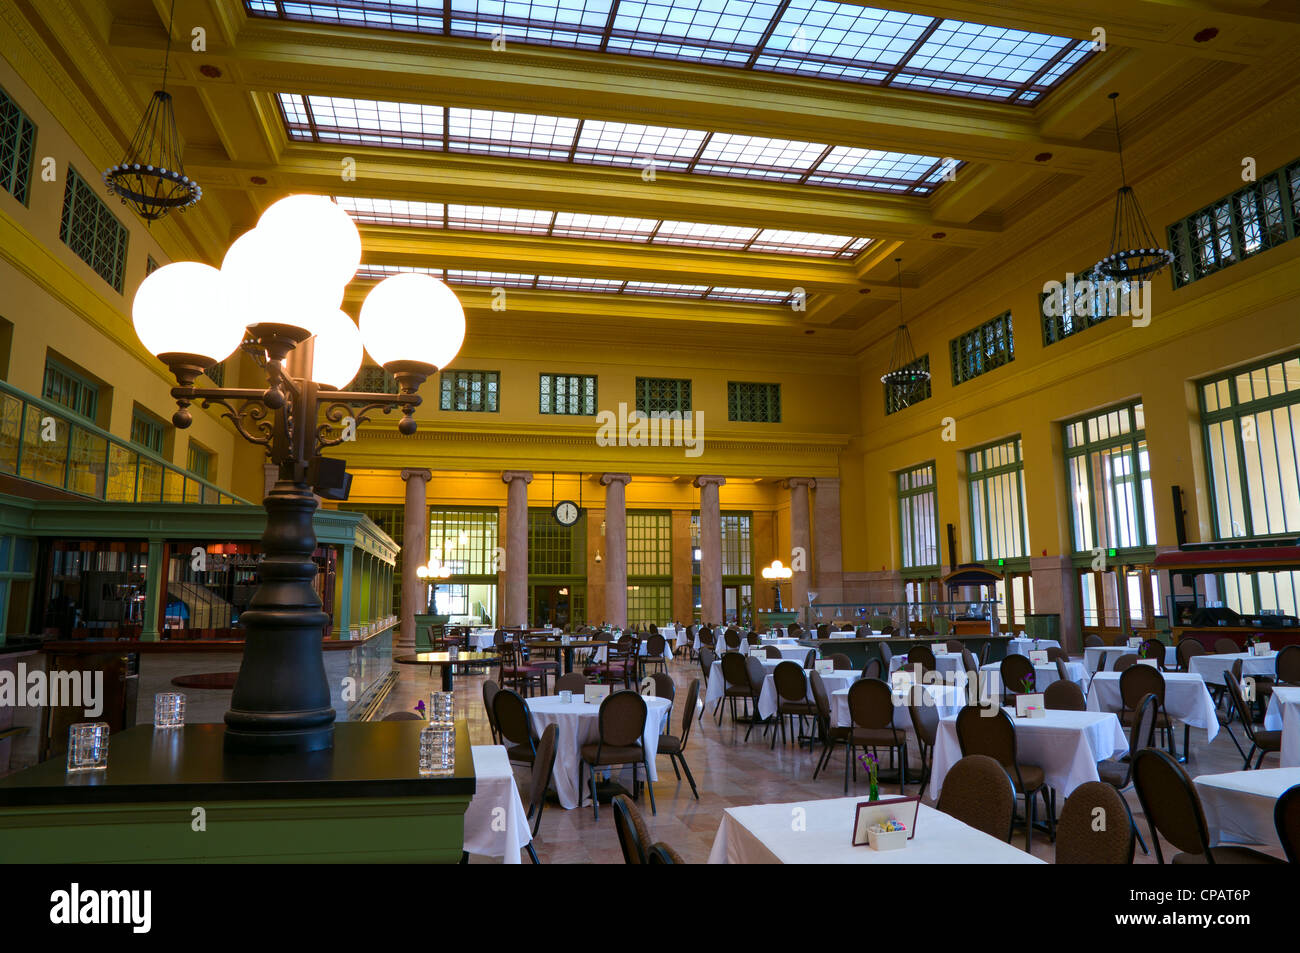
{"type": "Point", "coordinates": [44, 442]}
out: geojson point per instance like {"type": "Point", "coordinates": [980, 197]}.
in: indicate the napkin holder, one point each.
{"type": "Point", "coordinates": [1030, 705]}
{"type": "Point", "coordinates": [595, 694]}
{"type": "Point", "coordinates": [1038, 657]}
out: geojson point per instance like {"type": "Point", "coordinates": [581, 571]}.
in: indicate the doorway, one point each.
{"type": "Point", "coordinates": [552, 606]}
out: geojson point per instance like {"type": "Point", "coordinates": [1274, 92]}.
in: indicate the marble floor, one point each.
{"type": "Point", "coordinates": [729, 772]}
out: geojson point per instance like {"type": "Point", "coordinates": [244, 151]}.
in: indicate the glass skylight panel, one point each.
{"type": "Point", "coordinates": [758, 295]}
{"type": "Point", "coordinates": [957, 55]}
{"type": "Point", "coordinates": [665, 289]}
{"type": "Point", "coordinates": [490, 279]}
{"type": "Point", "coordinates": [627, 144]}
{"type": "Point", "coordinates": [706, 31]}
{"type": "Point", "coordinates": [612, 228]}
{"type": "Point", "coordinates": [487, 218]}
{"type": "Point", "coordinates": [600, 285]}
{"type": "Point", "coordinates": [783, 160]}
{"type": "Point", "coordinates": [367, 122]}
{"type": "Point", "coordinates": [522, 135]}
{"type": "Point", "coordinates": [699, 235]}
{"type": "Point", "coordinates": [424, 16]}
{"type": "Point", "coordinates": [379, 272]}
{"type": "Point", "coordinates": [873, 170]}
{"type": "Point", "coordinates": [841, 41]}
{"type": "Point", "coordinates": [571, 23]}
{"type": "Point", "coordinates": [784, 242]}
{"type": "Point", "coordinates": [365, 211]}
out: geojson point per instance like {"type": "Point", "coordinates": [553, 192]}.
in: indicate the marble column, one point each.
{"type": "Point", "coordinates": [415, 553]}
{"type": "Point", "coordinates": [616, 547]}
{"type": "Point", "coordinates": [514, 610]}
{"type": "Point", "coordinates": [710, 549]}
{"type": "Point", "coordinates": [800, 543]}
{"type": "Point", "coordinates": [829, 577]}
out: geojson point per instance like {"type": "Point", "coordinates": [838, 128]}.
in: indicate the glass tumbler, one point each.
{"type": "Point", "coordinates": [169, 710]}
{"type": "Point", "coordinates": [88, 746]}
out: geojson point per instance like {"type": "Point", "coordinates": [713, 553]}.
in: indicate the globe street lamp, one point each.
{"type": "Point", "coordinates": [278, 294]}
{"type": "Point", "coordinates": [776, 574]}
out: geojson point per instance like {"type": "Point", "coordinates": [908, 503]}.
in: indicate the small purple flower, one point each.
{"type": "Point", "coordinates": [419, 706]}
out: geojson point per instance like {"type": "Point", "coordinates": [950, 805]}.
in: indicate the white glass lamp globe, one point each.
{"type": "Point", "coordinates": [261, 290]}
{"type": "Point", "coordinates": [337, 352]}
{"type": "Point", "coordinates": [412, 317]}
{"type": "Point", "coordinates": [315, 237]}
{"type": "Point", "coordinates": [180, 309]}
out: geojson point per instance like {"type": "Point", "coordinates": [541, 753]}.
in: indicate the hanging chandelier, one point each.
{"type": "Point", "coordinates": [903, 377]}
{"type": "Point", "coordinates": [1134, 251]}
{"type": "Point", "coordinates": [151, 177]}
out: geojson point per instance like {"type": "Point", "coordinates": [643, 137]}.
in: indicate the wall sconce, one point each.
{"type": "Point", "coordinates": [602, 527]}
{"type": "Point", "coordinates": [598, 557]}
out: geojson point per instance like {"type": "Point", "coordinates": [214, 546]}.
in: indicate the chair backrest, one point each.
{"type": "Point", "coordinates": [871, 704]}
{"type": "Point", "coordinates": [1057, 654]}
{"type": "Point", "coordinates": [1143, 733]}
{"type": "Point", "coordinates": [925, 715]}
{"type": "Point", "coordinates": [707, 658]}
{"type": "Point", "coordinates": [955, 646]}
{"type": "Point", "coordinates": [979, 732]}
{"type": "Point", "coordinates": [1286, 818]}
{"type": "Point", "coordinates": [734, 671]}
{"type": "Point", "coordinates": [1137, 681]}
{"type": "Point", "coordinates": [1288, 665]}
{"type": "Point", "coordinates": [688, 713]}
{"type": "Point", "coordinates": [1062, 673]}
{"type": "Point", "coordinates": [654, 645]}
{"type": "Point", "coordinates": [1170, 803]}
{"type": "Point", "coordinates": [1233, 682]}
{"type": "Point", "coordinates": [824, 630]}
{"type": "Point", "coordinates": [633, 836]}
{"type": "Point", "coordinates": [402, 716]}
{"type": "Point", "coordinates": [732, 637]}
{"type": "Point", "coordinates": [821, 697]}
{"type": "Point", "coordinates": [1122, 662]}
{"type": "Point", "coordinates": [791, 683]}
{"type": "Point", "coordinates": [574, 682]}
{"type": "Point", "coordinates": [543, 765]}
{"type": "Point", "coordinates": [622, 719]}
{"type": "Point", "coordinates": [888, 629]}
{"type": "Point", "coordinates": [664, 686]}
{"type": "Point", "coordinates": [841, 662]}
{"type": "Point", "coordinates": [772, 652]}
{"type": "Point", "coordinates": [886, 653]}
{"type": "Point", "coordinates": [661, 853]}
{"type": "Point", "coordinates": [810, 659]}
{"type": "Point", "coordinates": [968, 661]}
{"type": "Point", "coordinates": [1154, 649]}
{"type": "Point", "coordinates": [1187, 650]}
{"type": "Point", "coordinates": [755, 675]}
{"type": "Point", "coordinates": [984, 653]}
{"type": "Point", "coordinates": [707, 637]}
{"type": "Point", "coordinates": [1079, 840]}
{"type": "Point", "coordinates": [1064, 695]}
{"type": "Point", "coordinates": [1226, 646]}
{"type": "Point", "coordinates": [513, 721]}
{"type": "Point", "coordinates": [978, 792]}
{"type": "Point", "coordinates": [872, 669]}
{"type": "Point", "coordinates": [923, 656]}
{"type": "Point", "coordinates": [1017, 673]}
{"type": "Point", "coordinates": [490, 689]}
{"type": "Point", "coordinates": [1094, 640]}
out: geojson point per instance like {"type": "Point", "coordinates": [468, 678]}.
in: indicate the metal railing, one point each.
{"type": "Point", "coordinates": [46, 443]}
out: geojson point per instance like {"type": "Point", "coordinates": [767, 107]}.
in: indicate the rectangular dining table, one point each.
{"type": "Point", "coordinates": [1186, 699]}
{"type": "Point", "coordinates": [1239, 805]}
{"type": "Point", "coordinates": [496, 824]}
{"type": "Point", "coordinates": [1284, 715]}
{"type": "Point", "coordinates": [1213, 667]}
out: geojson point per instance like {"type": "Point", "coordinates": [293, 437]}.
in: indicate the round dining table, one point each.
{"type": "Point", "coordinates": [443, 661]}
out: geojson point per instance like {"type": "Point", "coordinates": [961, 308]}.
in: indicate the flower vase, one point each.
{"type": "Point", "coordinates": [875, 788]}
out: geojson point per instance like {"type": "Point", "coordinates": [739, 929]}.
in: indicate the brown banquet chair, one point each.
{"type": "Point", "coordinates": [675, 745]}
{"type": "Point", "coordinates": [574, 682]}
{"type": "Point", "coordinates": [1118, 773]}
{"type": "Point", "coordinates": [1078, 838]}
{"type": "Point", "coordinates": [925, 725]}
{"type": "Point", "coordinates": [978, 792]}
{"type": "Point", "coordinates": [1062, 695]}
{"type": "Point", "coordinates": [1226, 646]}
{"type": "Point", "coordinates": [1017, 672]}
{"type": "Point", "coordinates": [543, 768]}
{"type": "Point", "coordinates": [633, 836]}
{"type": "Point", "coordinates": [791, 698]}
{"type": "Point", "coordinates": [1264, 741]}
{"type": "Point", "coordinates": [979, 732]}
{"type": "Point", "coordinates": [871, 710]}
{"type": "Point", "coordinates": [515, 725]}
{"type": "Point", "coordinates": [1288, 665]}
{"type": "Point", "coordinates": [841, 662]}
{"type": "Point", "coordinates": [620, 741]}
{"type": "Point", "coordinates": [1187, 650]}
{"type": "Point", "coordinates": [831, 733]}
{"type": "Point", "coordinates": [1286, 817]}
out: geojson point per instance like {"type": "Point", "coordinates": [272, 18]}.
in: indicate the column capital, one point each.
{"type": "Point", "coordinates": [509, 476]}
{"type": "Point", "coordinates": [417, 473]}
{"type": "Point", "coordinates": [709, 481]}
{"type": "Point", "coordinates": [791, 482]}
{"type": "Point", "coordinates": [607, 478]}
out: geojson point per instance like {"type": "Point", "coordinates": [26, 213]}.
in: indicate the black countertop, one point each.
{"type": "Point", "coordinates": [369, 759]}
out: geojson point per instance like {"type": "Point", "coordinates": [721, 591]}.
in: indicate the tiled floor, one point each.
{"type": "Point", "coordinates": [729, 773]}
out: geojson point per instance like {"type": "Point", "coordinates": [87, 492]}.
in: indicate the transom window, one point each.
{"type": "Point", "coordinates": [1084, 300]}
{"type": "Point", "coordinates": [470, 390]}
{"type": "Point", "coordinates": [554, 549]}
{"type": "Point", "coordinates": [17, 144]}
{"type": "Point", "coordinates": [92, 231]}
{"type": "Point", "coordinates": [918, 517]}
{"type": "Point", "coordinates": [74, 391]}
{"type": "Point", "coordinates": [465, 541]}
{"type": "Point", "coordinates": [199, 461]}
{"type": "Point", "coordinates": [567, 394]}
{"type": "Point", "coordinates": [897, 398]}
{"type": "Point", "coordinates": [649, 544]}
{"type": "Point", "coordinates": [1252, 448]}
{"type": "Point", "coordinates": [982, 349]}
{"type": "Point", "coordinates": [147, 431]}
{"type": "Point", "coordinates": [362, 122]}
{"type": "Point", "coordinates": [1253, 219]}
{"type": "Point", "coordinates": [820, 38]}
{"type": "Point", "coordinates": [754, 403]}
{"type": "Point", "coordinates": [996, 474]}
{"type": "Point", "coordinates": [373, 379]}
{"type": "Point", "coordinates": [1109, 474]}
{"type": "Point", "coordinates": [663, 395]}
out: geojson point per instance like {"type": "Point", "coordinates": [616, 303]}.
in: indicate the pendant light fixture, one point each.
{"type": "Point", "coordinates": [1134, 251]}
{"type": "Point", "coordinates": [151, 178]}
{"type": "Point", "coordinates": [903, 378]}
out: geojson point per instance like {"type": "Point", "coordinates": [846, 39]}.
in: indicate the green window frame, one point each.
{"type": "Point", "coordinates": [147, 430]}
{"type": "Point", "coordinates": [150, 265]}
{"type": "Point", "coordinates": [663, 395]}
{"type": "Point", "coordinates": [982, 349]}
{"type": "Point", "coordinates": [465, 541]}
{"type": "Point", "coordinates": [649, 544]}
{"type": "Point", "coordinates": [649, 602]}
{"type": "Point", "coordinates": [898, 398]}
{"type": "Point", "coordinates": [1108, 474]}
{"type": "Point", "coordinates": [198, 460]}
{"type": "Point", "coordinates": [90, 229]}
{"type": "Point", "coordinates": [749, 402]}
{"type": "Point", "coordinates": [569, 394]}
{"type": "Point", "coordinates": [554, 549]}
{"type": "Point", "coordinates": [74, 391]}
{"type": "Point", "coordinates": [1238, 226]}
{"type": "Point", "coordinates": [471, 391]}
{"type": "Point", "coordinates": [17, 149]}
{"type": "Point", "coordinates": [1078, 306]}
{"type": "Point", "coordinates": [918, 518]}
{"type": "Point", "coordinates": [373, 379]}
{"type": "Point", "coordinates": [1251, 417]}
{"type": "Point", "coordinates": [996, 477]}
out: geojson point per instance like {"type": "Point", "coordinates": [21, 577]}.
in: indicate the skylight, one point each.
{"type": "Point", "coordinates": [358, 122]}
{"type": "Point", "coordinates": [823, 39]}
{"type": "Point", "coordinates": [607, 228]}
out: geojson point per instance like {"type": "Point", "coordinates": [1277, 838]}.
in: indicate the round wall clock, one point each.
{"type": "Point", "coordinates": [567, 512]}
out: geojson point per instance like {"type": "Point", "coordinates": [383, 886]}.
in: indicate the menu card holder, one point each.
{"type": "Point", "coordinates": [1134, 643]}
{"type": "Point", "coordinates": [1030, 706]}
{"type": "Point", "coordinates": [937, 650]}
{"type": "Point", "coordinates": [902, 680]}
{"type": "Point", "coordinates": [824, 666]}
{"type": "Point", "coordinates": [1038, 658]}
{"type": "Point", "coordinates": [1147, 661]}
{"type": "Point", "coordinates": [594, 694]}
{"type": "Point", "coordinates": [870, 813]}
{"type": "Point", "coordinates": [1262, 648]}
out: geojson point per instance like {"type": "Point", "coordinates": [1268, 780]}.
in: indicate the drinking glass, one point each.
{"type": "Point", "coordinates": [169, 710]}
{"type": "Point", "coordinates": [88, 746]}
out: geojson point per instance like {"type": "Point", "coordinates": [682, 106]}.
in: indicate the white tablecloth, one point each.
{"type": "Point", "coordinates": [717, 683]}
{"type": "Point", "coordinates": [793, 652]}
{"type": "Point", "coordinates": [1239, 805]}
{"type": "Point", "coordinates": [578, 725]}
{"type": "Point", "coordinates": [1186, 699]}
{"type": "Point", "coordinates": [834, 682]}
{"type": "Point", "coordinates": [496, 824]}
{"type": "Point", "coordinates": [944, 664]}
{"type": "Point", "coordinates": [1284, 715]}
{"type": "Point", "coordinates": [1044, 675]}
{"type": "Point", "coordinates": [1212, 668]}
{"type": "Point", "coordinates": [821, 832]}
{"type": "Point", "coordinates": [1093, 656]}
{"type": "Point", "coordinates": [480, 639]}
{"type": "Point", "coordinates": [1066, 744]}
{"type": "Point", "coordinates": [948, 699]}
{"type": "Point", "coordinates": [1022, 646]}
